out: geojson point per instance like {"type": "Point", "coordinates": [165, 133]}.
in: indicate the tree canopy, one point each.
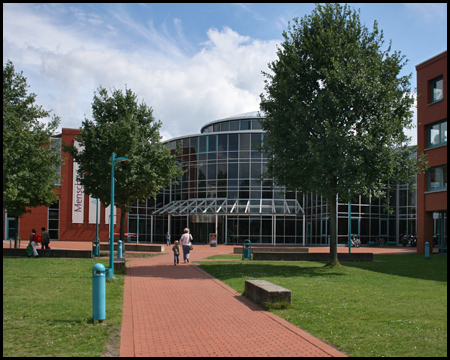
{"type": "Point", "coordinates": [123, 126]}
{"type": "Point", "coordinates": [31, 168]}
{"type": "Point", "coordinates": [336, 108]}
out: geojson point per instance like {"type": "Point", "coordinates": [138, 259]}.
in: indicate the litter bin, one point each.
{"type": "Point", "coordinates": [96, 247]}
{"type": "Point", "coordinates": [246, 249]}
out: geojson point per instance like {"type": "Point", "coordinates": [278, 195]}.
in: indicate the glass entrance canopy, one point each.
{"type": "Point", "coordinates": [232, 206]}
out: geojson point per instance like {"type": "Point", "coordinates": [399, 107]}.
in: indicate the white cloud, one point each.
{"type": "Point", "coordinates": [65, 65]}
{"type": "Point", "coordinates": [430, 12]}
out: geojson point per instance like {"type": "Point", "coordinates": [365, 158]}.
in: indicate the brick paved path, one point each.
{"type": "Point", "coordinates": [183, 311]}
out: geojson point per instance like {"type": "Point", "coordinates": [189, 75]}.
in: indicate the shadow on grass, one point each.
{"type": "Point", "coordinates": [407, 265]}
{"type": "Point", "coordinates": [262, 270]}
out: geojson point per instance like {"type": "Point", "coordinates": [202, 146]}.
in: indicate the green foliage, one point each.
{"type": "Point", "coordinates": [336, 108]}
{"type": "Point", "coordinates": [123, 126]}
{"type": "Point", "coordinates": [30, 167]}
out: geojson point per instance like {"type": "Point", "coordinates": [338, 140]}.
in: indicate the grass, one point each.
{"type": "Point", "coordinates": [47, 309]}
{"type": "Point", "coordinates": [394, 306]}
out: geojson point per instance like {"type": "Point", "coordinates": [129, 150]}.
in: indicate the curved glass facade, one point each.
{"type": "Point", "coordinates": [223, 192]}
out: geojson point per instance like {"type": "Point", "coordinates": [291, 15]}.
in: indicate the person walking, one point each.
{"type": "Point", "coordinates": [33, 242]}
{"type": "Point", "coordinates": [185, 241]}
{"type": "Point", "coordinates": [168, 239]}
{"type": "Point", "coordinates": [45, 239]}
{"type": "Point", "coordinates": [176, 253]}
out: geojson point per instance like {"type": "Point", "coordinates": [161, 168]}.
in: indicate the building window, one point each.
{"type": "Point", "coordinates": [53, 221]}
{"type": "Point", "coordinates": [437, 178]}
{"type": "Point", "coordinates": [437, 89]}
{"type": "Point", "coordinates": [437, 134]}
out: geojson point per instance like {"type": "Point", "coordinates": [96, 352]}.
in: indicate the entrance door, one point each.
{"type": "Point", "coordinates": [200, 232]}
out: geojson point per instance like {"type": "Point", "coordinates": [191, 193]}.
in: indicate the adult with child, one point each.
{"type": "Point", "coordinates": [185, 241]}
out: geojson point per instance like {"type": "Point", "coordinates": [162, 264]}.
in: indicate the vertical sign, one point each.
{"type": "Point", "coordinates": [78, 194]}
{"type": "Point", "coordinates": [92, 208]}
{"type": "Point", "coordinates": [108, 214]}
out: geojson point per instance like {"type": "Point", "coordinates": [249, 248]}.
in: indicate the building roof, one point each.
{"type": "Point", "coordinates": [242, 116]}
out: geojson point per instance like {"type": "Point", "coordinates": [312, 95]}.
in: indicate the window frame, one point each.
{"type": "Point", "coordinates": [441, 141]}
{"type": "Point", "coordinates": [441, 185]}
{"type": "Point", "coordinates": [432, 87]}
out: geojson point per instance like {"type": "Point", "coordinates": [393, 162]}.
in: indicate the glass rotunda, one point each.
{"type": "Point", "coordinates": [223, 193]}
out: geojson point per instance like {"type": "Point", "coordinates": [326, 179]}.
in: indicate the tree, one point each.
{"type": "Point", "coordinates": [30, 165]}
{"type": "Point", "coordinates": [123, 126]}
{"type": "Point", "coordinates": [336, 109]}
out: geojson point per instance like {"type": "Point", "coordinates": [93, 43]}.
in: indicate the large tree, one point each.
{"type": "Point", "coordinates": [336, 108]}
{"type": "Point", "coordinates": [128, 129]}
{"type": "Point", "coordinates": [30, 166]}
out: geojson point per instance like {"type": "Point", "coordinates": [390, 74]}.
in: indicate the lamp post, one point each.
{"type": "Point", "coordinates": [110, 270]}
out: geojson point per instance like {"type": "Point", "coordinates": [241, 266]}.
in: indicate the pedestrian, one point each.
{"type": "Point", "coordinates": [168, 239]}
{"type": "Point", "coordinates": [176, 253]}
{"type": "Point", "coordinates": [33, 242]}
{"type": "Point", "coordinates": [45, 239]}
{"type": "Point", "coordinates": [185, 241]}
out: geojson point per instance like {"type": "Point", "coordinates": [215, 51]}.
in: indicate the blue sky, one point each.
{"type": "Point", "coordinates": [192, 63]}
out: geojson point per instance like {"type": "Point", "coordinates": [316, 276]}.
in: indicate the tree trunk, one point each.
{"type": "Point", "coordinates": [333, 235]}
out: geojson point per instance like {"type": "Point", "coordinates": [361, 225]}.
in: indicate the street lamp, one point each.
{"type": "Point", "coordinates": [110, 270]}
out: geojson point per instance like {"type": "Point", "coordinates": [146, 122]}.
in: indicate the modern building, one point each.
{"type": "Point", "coordinates": [432, 140]}
{"type": "Point", "coordinates": [224, 195]}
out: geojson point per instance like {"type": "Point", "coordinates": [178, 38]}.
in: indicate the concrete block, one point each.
{"type": "Point", "coordinates": [262, 292]}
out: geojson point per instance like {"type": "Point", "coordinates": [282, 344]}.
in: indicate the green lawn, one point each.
{"type": "Point", "coordinates": [394, 306]}
{"type": "Point", "coordinates": [47, 309]}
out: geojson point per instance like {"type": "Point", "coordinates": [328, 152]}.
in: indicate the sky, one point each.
{"type": "Point", "coordinates": [192, 63]}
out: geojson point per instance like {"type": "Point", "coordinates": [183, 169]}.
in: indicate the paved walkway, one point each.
{"type": "Point", "coordinates": [183, 311]}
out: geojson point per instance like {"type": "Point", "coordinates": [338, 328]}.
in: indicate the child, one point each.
{"type": "Point", "coordinates": [176, 253]}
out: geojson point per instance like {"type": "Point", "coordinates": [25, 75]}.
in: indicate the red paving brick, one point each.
{"type": "Point", "coordinates": [183, 311]}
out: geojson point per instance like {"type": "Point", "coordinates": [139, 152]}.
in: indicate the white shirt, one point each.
{"type": "Point", "coordinates": [185, 239]}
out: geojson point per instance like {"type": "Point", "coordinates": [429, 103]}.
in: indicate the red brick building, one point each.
{"type": "Point", "coordinates": [432, 140]}
{"type": "Point", "coordinates": [73, 217]}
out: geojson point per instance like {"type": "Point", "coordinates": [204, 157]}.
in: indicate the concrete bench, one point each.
{"type": "Point", "coordinates": [274, 249]}
{"type": "Point", "coordinates": [54, 253]}
{"type": "Point", "coordinates": [295, 250]}
{"type": "Point", "coordinates": [119, 265]}
{"type": "Point", "coordinates": [288, 256]}
{"type": "Point", "coordinates": [264, 292]}
{"type": "Point", "coordinates": [134, 247]}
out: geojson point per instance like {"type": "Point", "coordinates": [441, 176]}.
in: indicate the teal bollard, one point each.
{"type": "Point", "coordinates": [427, 250]}
{"type": "Point", "coordinates": [119, 249]}
{"type": "Point", "coordinates": [98, 292]}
